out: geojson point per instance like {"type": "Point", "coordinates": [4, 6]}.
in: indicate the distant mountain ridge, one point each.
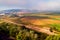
{"type": "Point", "coordinates": [17, 10]}
{"type": "Point", "coordinates": [26, 10]}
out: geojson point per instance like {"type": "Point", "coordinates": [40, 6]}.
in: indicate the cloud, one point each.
{"type": "Point", "coordinates": [51, 5]}
{"type": "Point", "coordinates": [13, 2]}
{"type": "Point", "coordinates": [23, 2]}
{"type": "Point", "coordinates": [31, 4]}
{"type": "Point", "coordinates": [47, 5]}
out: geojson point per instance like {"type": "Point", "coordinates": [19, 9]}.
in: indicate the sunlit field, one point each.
{"type": "Point", "coordinates": [33, 26]}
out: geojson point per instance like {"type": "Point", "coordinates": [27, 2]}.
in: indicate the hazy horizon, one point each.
{"type": "Point", "coordinates": [42, 5]}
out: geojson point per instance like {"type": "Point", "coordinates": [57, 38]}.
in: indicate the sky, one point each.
{"type": "Point", "coordinates": [41, 5]}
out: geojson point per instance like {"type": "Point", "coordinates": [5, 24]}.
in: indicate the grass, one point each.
{"type": "Point", "coordinates": [19, 33]}
{"type": "Point", "coordinates": [53, 37]}
{"type": "Point", "coordinates": [55, 27]}
{"type": "Point", "coordinates": [16, 32]}
{"type": "Point", "coordinates": [56, 18]}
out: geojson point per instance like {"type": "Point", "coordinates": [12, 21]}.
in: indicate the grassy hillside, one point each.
{"type": "Point", "coordinates": [10, 31]}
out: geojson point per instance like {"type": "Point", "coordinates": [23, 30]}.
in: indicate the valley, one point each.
{"type": "Point", "coordinates": [38, 22]}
